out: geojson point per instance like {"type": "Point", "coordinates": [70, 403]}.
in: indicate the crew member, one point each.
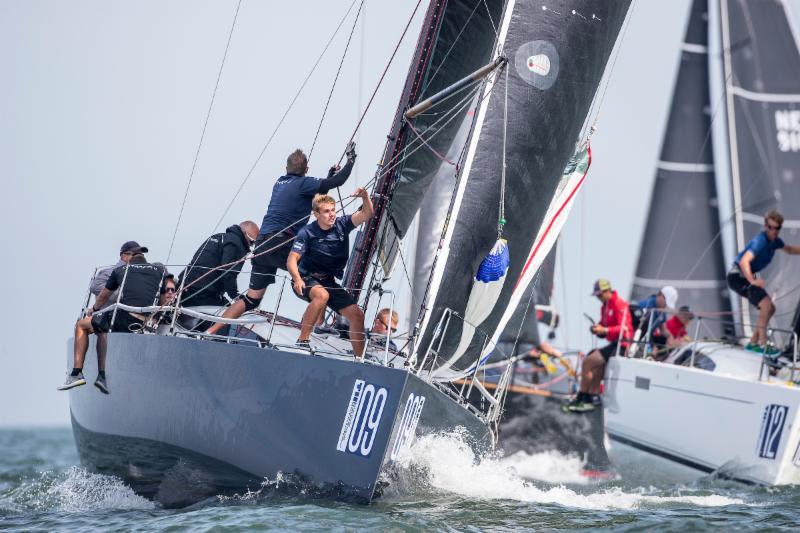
{"type": "Point", "coordinates": [676, 327]}
{"type": "Point", "coordinates": [215, 266]}
{"type": "Point", "coordinates": [139, 283]}
{"type": "Point", "coordinates": [666, 298]}
{"type": "Point", "coordinates": [287, 213]}
{"type": "Point", "coordinates": [615, 326]}
{"type": "Point", "coordinates": [743, 281]}
{"type": "Point", "coordinates": [384, 325]}
{"type": "Point", "coordinates": [318, 257]}
{"type": "Point", "coordinates": [99, 280]}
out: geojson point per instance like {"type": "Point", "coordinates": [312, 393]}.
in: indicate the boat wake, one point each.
{"type": "Point", "coordinates": [74, 490]}
{"type": "Point", "coordinates": [446, 463]}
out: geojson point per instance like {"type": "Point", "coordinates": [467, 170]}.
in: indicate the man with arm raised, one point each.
{"type": "Point", "coordinates": [318, 257]}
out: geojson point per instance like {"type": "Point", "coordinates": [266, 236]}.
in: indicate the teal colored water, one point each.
{"type": "Point", "coordinates": [42, 487]}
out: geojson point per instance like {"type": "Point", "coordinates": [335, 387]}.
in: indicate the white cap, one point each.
{"type": "Point", "coordinates": [670, 296]}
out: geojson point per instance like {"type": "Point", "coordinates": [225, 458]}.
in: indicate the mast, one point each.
{"type": "Point", "coordinates": [761, 69]}
{"type": "Point", "coordinates": [456, 39]}
{"type": "Point", "coordinates": [680, 245]}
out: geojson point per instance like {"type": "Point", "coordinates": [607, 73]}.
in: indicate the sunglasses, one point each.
{"type": "Point", "coordinates": [393, 330]}
{"type": "Point", "coordinates": [777, 228]}
{"type": "Point", "coordinates": [170, 289]}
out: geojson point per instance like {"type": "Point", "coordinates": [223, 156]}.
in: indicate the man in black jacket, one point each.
{"type": "Point", "coordinates": [215, 266]}
{"type": "Point", "coordinates": [287, 213]}
{"type": "Point", "coordinates": [139, 283]}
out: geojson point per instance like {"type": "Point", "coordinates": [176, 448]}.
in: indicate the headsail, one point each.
{"type": "Point", "coordinates": [556, 59]}
{"type": "Point", "coordinates": [521, 333]}
{"type": "Point", "coordinates": [761, 67]}
{"type": "Point", "coordinates": [681, 245]}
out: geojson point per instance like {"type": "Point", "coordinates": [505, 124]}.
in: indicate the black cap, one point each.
{"type": "Point", "coordinates": [133, 246]}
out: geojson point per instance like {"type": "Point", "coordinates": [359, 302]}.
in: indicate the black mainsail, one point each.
{"type": "Point", "coordinates": [680, 245]}
{"type": "Point", "coordinates": [761, 66]}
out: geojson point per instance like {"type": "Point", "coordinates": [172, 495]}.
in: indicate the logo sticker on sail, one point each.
{"type": "Point", "coordinates": [787, 126]}
{"type": "Point", "coordinates": [362, 418]}
{"type": "Point", "coordinates": [408, 424]}
{"type": "Point", "coordinates": [769, 438]}
{"type": "Point", "coordinates": [536, 63]}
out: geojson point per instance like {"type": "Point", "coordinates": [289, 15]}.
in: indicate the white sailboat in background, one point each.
{"type": "Point", "coordinates": [712, 406]}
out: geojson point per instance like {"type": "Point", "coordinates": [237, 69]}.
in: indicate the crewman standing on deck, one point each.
{"type": "Point", "coordinates": [287, 213]}
{"type": "Point", "coordinates": [743, 281]}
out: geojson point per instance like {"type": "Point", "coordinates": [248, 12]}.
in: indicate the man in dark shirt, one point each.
{"type": "Point", "coordinates": [742, 277]}
{"type": "Point", "coordinates": [139, 284]}
{"type": "Point", "coordinates": [287, 213]}
{"type": "Point", "coordinates": [318, 257]}
{"type": "Point", "coordinates": [208, 284]}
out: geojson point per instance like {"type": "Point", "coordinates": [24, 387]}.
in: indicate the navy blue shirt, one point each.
{"type": "Point", "coordinates": [290, 204]}
{"type": "Point", "coordinates": [324, 251]}
{"type": "Point", "coordinates": [763, 251]}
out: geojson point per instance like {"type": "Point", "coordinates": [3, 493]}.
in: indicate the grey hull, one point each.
{"type": "Point", "coordinates": [187, 419]}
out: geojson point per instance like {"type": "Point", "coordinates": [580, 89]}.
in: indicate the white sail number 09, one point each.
{"type": "Point", "coordinates": [362, 419]}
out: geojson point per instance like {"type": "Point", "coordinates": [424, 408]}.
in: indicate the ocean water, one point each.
{"type": "Point", "coordinates": [441, 486]}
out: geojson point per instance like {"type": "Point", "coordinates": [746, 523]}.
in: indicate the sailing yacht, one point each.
{"type": "Point", "coordinates": [192, 415]}
{"type": "Point", "coordinates": [729, 154]}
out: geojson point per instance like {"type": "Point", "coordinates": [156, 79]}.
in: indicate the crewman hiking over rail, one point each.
{"type": "Point", "coordinates": [139, 283]}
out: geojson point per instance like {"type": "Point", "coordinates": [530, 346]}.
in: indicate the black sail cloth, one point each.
{"type": "Point", "coordinates": [680, 245]}
{"type": "Point", "coordinates": [457, 38]}
{"type": "Point", "coordinates": [556, 61]}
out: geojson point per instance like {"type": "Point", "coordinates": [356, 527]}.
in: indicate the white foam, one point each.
{"type": "Point", "coordinates": [552, 467]}
{"type": "Point", "coordinates": [449, 464]}
{"type": "Point", "coordinates": [76, 490]}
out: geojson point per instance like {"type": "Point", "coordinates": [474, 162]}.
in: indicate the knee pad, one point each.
{"type": "Point", "coordinates": [251, 303]}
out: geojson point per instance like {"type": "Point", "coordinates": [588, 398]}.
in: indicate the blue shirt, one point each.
{"type": "Point", "coordinates": [763, 251]}
{"type": "Point", "coordinates": [324, 251]}
{"type": "Point", "coordinates": [290, 204]}
{"type": "Point", "coordinates": [657, 317]}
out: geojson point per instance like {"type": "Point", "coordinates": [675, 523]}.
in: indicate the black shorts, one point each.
{"type": "Point", "coordinates": [267, 264]}
{"type": "Point", "coordinates": [338, 298]}
{"type": "Point", "coordinates": [123, 323]}
{"type": "Point", "coordinates": [739, 284]}
{"type": "Point", "coordinates": [608, 351]}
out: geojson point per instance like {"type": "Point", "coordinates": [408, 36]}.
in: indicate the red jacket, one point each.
{"type": "Point", "coordinates": [616, 316]}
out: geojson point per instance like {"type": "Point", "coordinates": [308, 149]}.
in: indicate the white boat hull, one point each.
{"type": "Point", "coordinates": [740, 428]}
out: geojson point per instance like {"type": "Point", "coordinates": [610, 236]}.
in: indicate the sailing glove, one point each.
{"type": "Point", "coordinates": [350, 152]}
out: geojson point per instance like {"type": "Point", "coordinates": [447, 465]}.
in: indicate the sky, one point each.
{"type": "Point", "coordinates": [102, 107]}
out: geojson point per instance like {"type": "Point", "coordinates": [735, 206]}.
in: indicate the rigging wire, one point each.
{"type": "Point", "coordinates": [203, 132]}
{"type": "Point", "coordinates": [383, 76]}
{"type": "Point", "coordinates": [501, 222]}
{"type": "Point", "coordinates": [335, 79]}
{"type": "Point", "coordinates": [454, 113]}
{"type": "Point", "coordinates": [450, 49]}
{"type": "Point", "coordinates": [285, 114]}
